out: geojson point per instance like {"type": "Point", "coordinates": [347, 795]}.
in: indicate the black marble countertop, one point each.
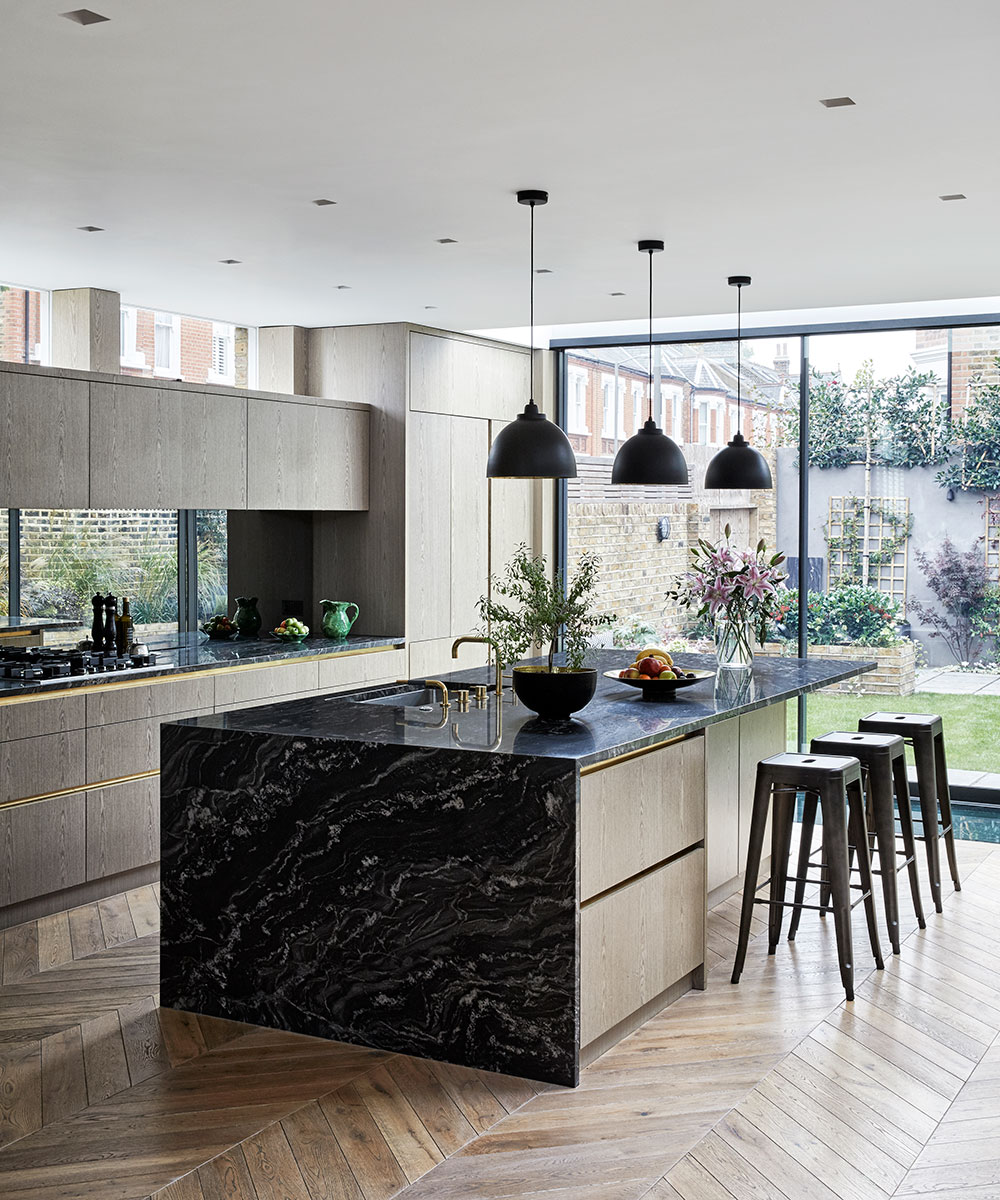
{"type": "Point", "coordinates": [616, 721]}
{"type": "Point", "coordinates": [181, 653]}
{"type": "Point", "coordinates": [35, 624]}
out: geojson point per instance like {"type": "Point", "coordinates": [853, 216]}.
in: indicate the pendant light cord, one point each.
{"type": "Point", "coordinates": [651, 335]}
{"type": "Point", "coordinates": [739, 356]}
{"type": "Point", "coordinates": [531, 305]}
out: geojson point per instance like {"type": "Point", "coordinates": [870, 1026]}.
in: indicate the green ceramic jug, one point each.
{"type": "Point", "coordinates": [336, 623]}
{"type": "Point", "coordinates": [246, 618]}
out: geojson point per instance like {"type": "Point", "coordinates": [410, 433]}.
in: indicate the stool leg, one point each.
{"type": "Point", "coordinates": [923, 752]}
{"type": "Point", "coordinates": [905, 812]}
{"type": "Point", "coordinates": [883, 815]}
{"type": "Point", "coordinates": [758, 821]}
{"type": "Point", "coordinates": [835, 844]}
{"type": "Point", "coordinates": [944, 803]}
{"type": "Point", "coordinates": [782, 809]}
{"type": "Point", "coordinates": [805, 848]}
{"type": "Point", "coordinates": [856, 823]}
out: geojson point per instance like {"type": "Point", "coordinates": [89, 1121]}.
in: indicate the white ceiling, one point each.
{"type": "Point", "coordinates": [197, 130]}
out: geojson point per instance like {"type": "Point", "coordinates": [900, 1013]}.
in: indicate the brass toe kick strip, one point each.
{"type": "Point", "coordinates": [75, 791]}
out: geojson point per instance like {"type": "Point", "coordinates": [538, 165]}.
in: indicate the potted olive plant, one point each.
{"type": "Point", "coordinates": [531, 608]}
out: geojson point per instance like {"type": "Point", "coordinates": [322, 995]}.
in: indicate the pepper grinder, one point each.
{"type": "Point", "coordinates": [110, 612]}
{"type": "Point", "coordinates": [97, 628]}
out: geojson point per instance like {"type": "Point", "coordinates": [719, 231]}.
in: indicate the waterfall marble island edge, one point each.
{"type": "Point", "coordinates": [487, 890]}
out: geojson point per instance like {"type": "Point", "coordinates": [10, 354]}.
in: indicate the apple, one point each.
{"type": "Point", "coordinates": [651, 667]}
{"type": "Point", "coordinates": [632, 673]}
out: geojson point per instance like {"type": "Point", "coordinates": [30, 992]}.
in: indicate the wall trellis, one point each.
{"type": "Point", "coordinates": [991, 510]}
{"type": "Point", "coordinates": [879, 559]}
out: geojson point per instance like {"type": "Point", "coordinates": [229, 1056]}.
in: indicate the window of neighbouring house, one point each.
{"type": "Point", "coordinates": [577, 409]}
{"type": "Point", "coordinates": [637, 407]}
{"type": "Point", "coordinates": [24, 316]}
{"type": "Point", "coordinates": [169, 345]}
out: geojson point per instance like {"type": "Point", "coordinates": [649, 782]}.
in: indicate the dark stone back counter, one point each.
{"type": "Point", "coordinates": [617, 721]}
{"type": "Point", "coordinates": [182, 653]}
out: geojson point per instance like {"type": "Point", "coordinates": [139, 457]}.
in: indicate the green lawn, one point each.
{"type": "Point", "coordinates": [971, 723]}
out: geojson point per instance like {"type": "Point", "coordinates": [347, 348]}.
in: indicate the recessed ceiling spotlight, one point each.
{"type": "Point", "coordinates": [954, 196]}
{"type": "Point", "coordinates": [616, 293]}
{"type": "Point", "coordinates": [429, 306]}
{"type": "Point", "coordinates": [230, 262]}
{"type": "Point", "coordinates": [323, 203]}
{"type": "Point", "coordinates": [542, 271]}
{"type": "Point", "coordinates": [838, 102]}
{"type": "Point", "coordinates": [90, 228]}
{"type": "Point", "coordinates": [447, 241]}
{"type": "Point", "coordinates": [84, 16]}
{"type": "Point", "coordinates": [343, 287]}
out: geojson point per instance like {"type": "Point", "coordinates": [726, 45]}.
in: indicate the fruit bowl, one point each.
{"type": "Point", "coordinates": [219, 629]}
{"type": "Point", "coordinates": [662, 689]}
{"type": "Point", "coordinates": [291, 630]}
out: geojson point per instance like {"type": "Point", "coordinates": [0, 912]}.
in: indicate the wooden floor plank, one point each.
{"type": "Point", "coordinates": [54, 944]}
{"type": "Point", "coordinates": [411, 1142]}
{"type": "Point", "coordinates": [227, 1178]}
{"type": "Point", "coordinates": [145, 910]}
{"type": "Point", "coordinates": [469, 1092]}
{"type": "Point", "coordinates": [689, 1180]}
{"type": "Point", "coordinates": [64, 1079]}
{"type": "Point", "coordinates": [20, 952]}
{"type": "Point", "coordinates": [116, 920]}
{"type": "Point", "coordinates": [324, 1168]}
{"type": "Point", "coordinates": [187, 1187]}
{"type": "Point", "coordinates": [20, 1093]}
{"type": "Point", "coordinates": [273, 1170]}
{"type": "Point", "coordinates": [771, 1160]}
{"type": "Point", "coordinates": [723, 1163]}
{"type": "Point", "coordinates": [427, 1097]}
{"type": "Point", "coordinates": [86, 933]}
{"type": "Point", "coordinates": [144, 1050]}
{"type": "Point", "coordinates": [374, 1165]}
{"type": "Point", "coordinates": [104, 1057]}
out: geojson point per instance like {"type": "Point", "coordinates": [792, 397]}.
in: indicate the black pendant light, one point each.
{"type": "Point", "coordinates": [739, 465]}
{"type": "Point", "coordinates": [649, 457]}
{"type": "Point", "coordinates": [531, 446]}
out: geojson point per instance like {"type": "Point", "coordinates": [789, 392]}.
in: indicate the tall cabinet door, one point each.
{"type": "Point", "coordinates": [166, 448]}
{"type": "Point", "coordinates": [45, 431]}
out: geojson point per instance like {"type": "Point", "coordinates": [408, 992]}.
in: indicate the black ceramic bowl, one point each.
{"type": "Point", "coordinates": [554, 695]}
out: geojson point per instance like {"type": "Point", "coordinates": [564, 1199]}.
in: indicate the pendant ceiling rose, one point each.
{"type": "Point", "coordinates": [531, 446]}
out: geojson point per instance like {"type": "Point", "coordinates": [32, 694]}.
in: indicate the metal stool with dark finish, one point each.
{"type": "Point", "coordinates": [836, 782]}
{"type": "Point", "coordinates": [883, 772]}
{"type": "Point", "coordinates": [925, 733]}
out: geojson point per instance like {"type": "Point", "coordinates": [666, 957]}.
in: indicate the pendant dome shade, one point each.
{"type": "Point", "coordinates": [738, 466]}
{"type": "Point", "coordinates": [531, 447]}
{"type": "Point", "coordinates": [649, 458]}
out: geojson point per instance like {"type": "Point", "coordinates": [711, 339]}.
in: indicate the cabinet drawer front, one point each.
{"type": "Point", "coordinates": [30, 718]}
{"type": "Point", "coordinates": [42, 847]}
{"type": "Point", "coordinates": [123, 827]}
{"type": "Point", "coordinates": [129, 747]}
{"type": "Point", "coordinates": [637, 813]}
{"type": "Point", "coordinates": [637, 941]}
{"type": "Point", "coordinates": [352, 670]}
{"type": "Point", "coordinates": [116, 702]}
{"type": "Point", "coordinates": [36, 765]}
{"type": "Point", "coordinates": [262, 683]}
{"type": "Point", "coordinates": [450, 375]}
{"type": "Point", "coordinates": [48, 412]}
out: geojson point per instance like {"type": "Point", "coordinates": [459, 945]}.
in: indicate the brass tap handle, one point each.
{"type": "Point", "coordinates": [481, 693]}
{"type": "Point", "coordinates": [436, 683]}
{"type": "Point", "coordinates": [462, 696]}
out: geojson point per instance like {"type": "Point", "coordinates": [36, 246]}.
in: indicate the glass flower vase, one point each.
{"type": "Point", "coordinates": [733, 643]}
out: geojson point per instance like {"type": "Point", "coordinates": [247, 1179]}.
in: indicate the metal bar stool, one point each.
{"type": "Point", "coordinates": [925, 733]}
{"type": "Point", "coordinates": [836, 782]}
{"type": "Point", "coordinates": [883, 771]}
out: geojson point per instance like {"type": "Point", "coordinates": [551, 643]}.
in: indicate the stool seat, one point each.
{"type": "Point", "coordinates": [883, 760]}
{"type": "Point", "coordinates": [903, 723]}
{"type": "Point", "coordinates": [800, 768]}
{"type": "Point", "coordinates": [925, 733]}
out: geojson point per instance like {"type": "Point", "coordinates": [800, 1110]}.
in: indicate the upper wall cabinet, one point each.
{"type": "Point", "coordinates": [307, 456]}
{"type": "Point", "coordinates": [44, 435]}
{"type": "Point", "coordinates": [166, 448]}
{"type": "Point", "coordinates": [467, 379]}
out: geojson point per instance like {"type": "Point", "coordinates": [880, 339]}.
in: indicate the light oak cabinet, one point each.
{"type": "Point", "coordinates": [307, 456]}
{"type": "Point", "coordinates": [45, 436]}
{"type": "Point", "coordinates": [42, 847]}
{"type": "Point", "coordinates": [638, 941]}
{"type": "Point", "coordinates": [356, 670]}
{"type": "Point", "coordinates": [459, 377]}
{"type": "Point", "coordinates": [166, 448]}
{"type": "Point", "coordinates": [31, 718]}
{"type": "Point", "coordinates": [34, 766]}
{"type": "Point", "coordinates": [129, 747]}
{"type": "Point", "coordinates": [123, 827]}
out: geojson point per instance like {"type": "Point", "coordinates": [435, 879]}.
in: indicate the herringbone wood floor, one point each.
{"type": "Point", "coordinates": [773, 1089]}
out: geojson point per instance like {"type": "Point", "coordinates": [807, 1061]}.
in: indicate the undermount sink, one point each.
{"type": "Point", "coordinates": [418, 698]}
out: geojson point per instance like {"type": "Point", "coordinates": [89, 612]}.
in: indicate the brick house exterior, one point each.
{"type": "Point", "coordinates": [13, 347]}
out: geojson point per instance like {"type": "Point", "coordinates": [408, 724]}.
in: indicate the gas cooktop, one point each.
{"type": "Point", "coordinates": [34, 663]}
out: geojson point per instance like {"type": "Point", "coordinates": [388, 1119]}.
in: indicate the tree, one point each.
{"type": "Point", "coordinates": [976, 440]}
{"type": "Point", "coordinates": [970, 603]}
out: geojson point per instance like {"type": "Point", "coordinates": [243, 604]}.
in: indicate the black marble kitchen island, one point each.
{"type": "Point", "coordinates": [463, 886]}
